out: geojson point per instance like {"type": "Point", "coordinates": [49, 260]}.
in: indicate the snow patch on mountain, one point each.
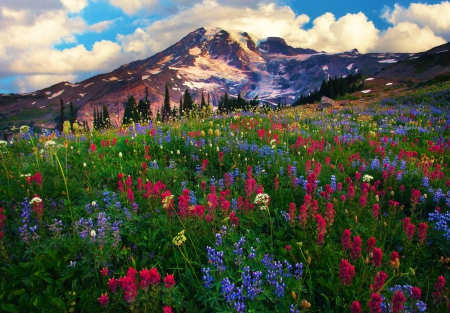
{"type": "Point", "coordinates": [195, 51]}
{"type": "Point", "coordinates": [145, 77]}
{"type": "Point", "coordinates": [350, 66]}
{"type": "Point", "coordinates": [388, 61]}
{"type": "Point", "coordinates": [325, 67]}
{"type": "Point", "coordinates": [56, 94]}
{"type": "Point", "coordinates": [88, 85]}
{"type": "Point", "coordinates": [82, 94]}
{"type": "Point", "coordinates": [72, 85]}
{"type": "Point", "coordinates": [154, 72]}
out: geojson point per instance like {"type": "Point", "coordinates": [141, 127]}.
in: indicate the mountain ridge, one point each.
{"type": "Point", "coordinates": [209, 60]}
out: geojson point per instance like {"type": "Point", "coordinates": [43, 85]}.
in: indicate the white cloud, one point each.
{"type": "Point", "coordinates": [101, 26]}
{"type": "Point", "coordinates": [75, 6]}
{"type": "Point", "coordinates": [131, 7]}
{"type": "Point", "coordinates": [436, 17]}
{"type": "Point", "coordinates": [26, 83]}
{"type": "Point", "coordinates": [408, 37]}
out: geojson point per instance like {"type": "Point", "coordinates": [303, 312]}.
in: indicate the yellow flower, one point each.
{"type": "Point", "coordinates": [179, 239]}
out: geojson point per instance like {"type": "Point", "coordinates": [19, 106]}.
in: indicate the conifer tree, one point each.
{"type": "Point", "coordinates": [129, 112]}
{"type": "Point", "coordinates": [187, 102]}
{"type": "Point", "coordinates": [73, 117]}
{"type": "Point", "coordinates": [202, 103]}
{"type": "Point", "coordinates": [166, 110]}
{"type": "Point", "coordinates": [180, 108]}
{"type": "Point", "coordinates": [105, 117]}
{"type": "Point", "coordinates": [62, 116]}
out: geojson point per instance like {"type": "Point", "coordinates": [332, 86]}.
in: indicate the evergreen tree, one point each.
{"type": "Point", "coordinates": [180, 108]}
{"type": "Point", "coordinates": [129, 111]}
{"type": "Point", "coordinates": [73, 117]}
{"type": "Point", "coordinates": [202, 103]}
{"type": "Point", "coordinates": [209, 99]}
{"type": "Point", "coordinates": [187, 102]}
{"type": "Point", "coordinates": [166, 110]}
{"type": "Point", "coordinates": [62, 116]}
{"type": "Point", "coordinates": [147, 104]}
{"type": "Point", "coordinates": [5, 135]}
{"type": "Point", "coordinates": [105, 117]}
{"type": "Point", "coordinates": [94, 123]}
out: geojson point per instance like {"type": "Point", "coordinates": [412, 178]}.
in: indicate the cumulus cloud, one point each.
{"type": "Point", "coordinates": [28, 38]}
{"type": "Point", "coordinates": [408, 37]}
{"type": "Point", "coordinates": [432, 16]}
{"type": "Point", "coordinates": [131, 7]}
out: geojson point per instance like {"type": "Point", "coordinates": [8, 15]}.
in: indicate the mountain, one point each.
{"type": "Point", "coordinates": [421, 66]}
{"type": "Point", "coordinates": [206, 60]}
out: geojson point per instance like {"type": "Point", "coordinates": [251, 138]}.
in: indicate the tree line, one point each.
{"type": "Point", "coordinates": [333, 88]}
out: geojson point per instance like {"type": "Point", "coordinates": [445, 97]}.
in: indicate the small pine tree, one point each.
{"type": "Point", "coordinates": [166, 110]}
{"type": "Point", "coordinates": [180, 108]}
{"type": "Point", "coordinates": [203, 103]}
{"type": "Point", "coordinates": [73, 117]}
{"type": "Point", "coordinates": [62, 116]}
{"type": "Point", "coordinates": [105, 117]}
{"type": "Point", "coordinates": [187, 102]}
{"type": "Point", "coordinates": [129, 111]}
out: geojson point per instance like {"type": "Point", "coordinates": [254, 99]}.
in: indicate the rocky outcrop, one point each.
{"type": "Point", "coordinates": [325, 103]}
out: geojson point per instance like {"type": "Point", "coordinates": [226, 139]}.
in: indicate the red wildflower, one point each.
{"type": "Point", "coordinates": [355, 307]}
{"type": "Point", "coordinates": [377, 257]}
{"type": "Point", "coordinates": [355, 252]}
{"type": "Point", "coordinates": [276, 183]}
{"type": "Point", "coordinates": [329, 214]}
{"type": "Point", "coordinates": [416, 293]}
{"type": "Point", "coordinates": [394, 256]}
{"type": "Point", "coordinates": [410, 231]}
{"type": "Point", "coordinates": [145, 278]}
{"type": "Point", "coordinates": [113, 284]}
{"type": "Point", "coordinates": [169, 281]}
{"type": "Point", "coordinates": [346, 272]}
{"type": "Point", "coordinates": [406, 222]}
{"type": "Point", "coordinates": [321, 224]}
{"type": "Point", "coordinates": [375, 211]}
{"type": "Point", "coordinates": [292, 212]}
{"type": "Point", "coordinates": [303, 215]}
{"type": "Point", "coordinates": [378, 281]}
{"type": "Point", "coordinates": [288, 248]}
{"type": "Point", "coordinates": [320, 237]}
{"type": "Point", "coordinates": [370, 244]}
{"type": "Point", "coordinates": [362, 201]}
{"type": "Point", "coordinates": [167, 309]}
{"type": "Point", "coordinates": [93, 147]}
{"type": "Point", "coordinates": [37, 178]}
{"type": "Point", "coordinates": [130, 195]}
{"type": "Point", "coordinates": [375, 303]}
{"type": "Point", "coordinates": [104, 299]}
{"type": "Point", "coordinates": [104, 272]}
{"type": "Point", "coordinates": [234, 219]}
{"type": "Point", "coordinates": [397, 302]}
{"type": "Point", "coordinates": [422, 232]}
{"type": "Point", "coordinates": [221, 157]}
{"type": "Point", "coordinates": [154, 277]}
{"type": "Point", "coordinates": [345, 239]}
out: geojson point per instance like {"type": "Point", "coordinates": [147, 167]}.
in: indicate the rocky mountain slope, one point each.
{"type": "Point", "coordinates": [206, 60]}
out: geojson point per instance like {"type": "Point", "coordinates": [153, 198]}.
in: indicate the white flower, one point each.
{"type": "Point", "coordinates": [24, 129]}
{"type": "Point", "coordinates": [93, 234]}
{"type": "Point", "coordinates": [263, 200]}
{"type": "Point", "coordinates": [35, 200]}
{"type": "Point", "coordinates": [367, 178]}
{"type": "Point", "coordinates": [120, 154]}
{"type": "Point", "coordinates": [93, 203]}
{"type": "Point", "coordinates": [3, 143]}
{"type": "Point", "coordinates": [50, 143]}
{"type": "Point", "coordinates": [84, 164]}
{"type": "Point", "coordinates": [178, 152]}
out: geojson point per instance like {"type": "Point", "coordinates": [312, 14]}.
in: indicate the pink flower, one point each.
{"type": "Point", "coordinates": [370, 244]}
{"type": "Point", "coordinates": [355, 252]}
{"type": "Point", "coordinates": [355, 307]}
{"type": "Point", "coordinates": [104, 272]}
{"type": "Point", "coordinates": [397, 302]}
{"type": "Point", "coordinates": [422, 232]}
{"type": "Point", "coordinates": [154, 277]}
{"type": "Point", "coordinates": [377, 257]}
{"type": "Point", "coordinates": [104, 299]}
{"type": "Point", "coordinates": [375, 303]}
{"type": "Point", "coordinates": [379, 280]}
{"type": "Point", "coordinates": [169, 281]}
{"type": "Point", "coordinates": [345, 239]}
{"type": "Point", "coordinates": [416, 293]}
{"type": "Point", "coordinates": [375, 211]}
{"type": "Point", "coordinates": [113, 284]}
{"type": "Point", "coordinates": [167, 309]}
{"type": "Point", "coordinates": [346, 272]}
{"type": "Point", "coordinates": [288, 248]}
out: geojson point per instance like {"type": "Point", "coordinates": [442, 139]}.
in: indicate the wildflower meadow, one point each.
{"type": "Point", "coordinates": [295, 210]}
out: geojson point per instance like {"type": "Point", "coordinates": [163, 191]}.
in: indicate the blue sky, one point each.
{"type": "Point", "coordinates": [48, 41]}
